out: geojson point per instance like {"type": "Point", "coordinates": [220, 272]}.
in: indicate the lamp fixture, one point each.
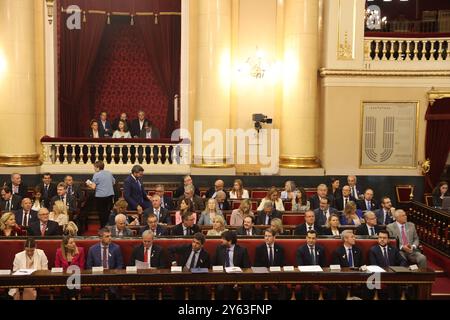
{"type": "Point", "coordinates": [256, 66]}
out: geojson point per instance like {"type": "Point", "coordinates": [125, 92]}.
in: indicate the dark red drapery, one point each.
{"type": "Point", "coordinates": [437, 142]}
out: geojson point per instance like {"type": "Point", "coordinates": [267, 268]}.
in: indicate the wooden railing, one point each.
{"type": "Point", "coordinates": [432, 226]}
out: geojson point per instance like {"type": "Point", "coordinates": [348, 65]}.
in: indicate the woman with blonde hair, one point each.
{"type": "Point", "coordinates": [238, 215]}
{"type": "Point", "coordinates": [277, 226]}
{"type": "Point", "coordinates": [332, 226]}
{"type": "Point", "coordinates": [218, 226]}
{"type": "Point", "coordinates": [71, 229]}
{"type": "Point", "coordinates": [69, 254]}
{"type": "Point", "coordinates": [238, 191]}
{"type": "Point", "coordinates": [9, 227]}
{"type": "Point", "coordinates": [59, 214]}
{"type": "Point", "coordinates": [273, 197]}
{"type": "Point", "coordinates": [290, 191]}
{"type": "Point", "coordinates": [210, 212]}
{"type": "Point", "coordinates": [350, 215]}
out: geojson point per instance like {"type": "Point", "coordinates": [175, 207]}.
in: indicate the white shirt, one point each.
{"type": "Point", "coordinates": [231, 254]}
{"type": "Point", "coordinates": [335, 232]}
{"type": "Point", "coordinates": [148, 134]}
{"type": "Point", "coordinates": [309, 226]}
{"type": "Point", "coordinates": [157, 212]}
{"type": "Point", "coordinates": [273, 251]}
{"type": "Point", "coordinates": [141, 124]}
{"type": "Point", "coordinates": [249, 231]}
{"type": "Point", "coordinates": [194, 255]}
{"type": "Point", "coordinates": [119, 233]}
{"type": "Point", "coordinates": [245, 195]}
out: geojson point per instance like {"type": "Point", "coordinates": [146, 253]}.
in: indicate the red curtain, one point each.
{"type": "Point", "coordinates": [437, 142]}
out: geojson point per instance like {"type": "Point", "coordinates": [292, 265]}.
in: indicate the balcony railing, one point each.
{"type": "Point", "coordinates": [78, 154]}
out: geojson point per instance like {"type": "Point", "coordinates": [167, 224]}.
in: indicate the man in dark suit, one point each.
{"type": "Point", "coordinates": [152, 225]}
{"type": "Point", "coordinates": [44, 227]}
{"type": "Point", "coordinates": [354, 189]}
{"type": "Point", "coordinates": [310, 224]}
{"type": "Point", "coordinates": [230, 254]}
{"type": "Point", "coordinates": [341, 202]}
{"type": "Point", "coordinates": [123, 116]}
{"type": "Point", "coordinates": [212, 192]}
{"type": "Point", "coordinates": [26, 216]}
{"type": "Point", "coordinates": [134, 192]}
{"type": "Point", "coordinates": [148, 252]}
{"type": "Point", "coordinates": [322, 192]}
{"type": "Point", "coordinates": [385, 215]}
{"type": "Point", "coordinates": [187, 180]}
{"type": "Point", "coordinates": [17, 186]}
{"type": "Point", "coordinates": [166, 201]}
{"type": "Point", "coordinates": [370, 228]}
{"type": "Point", "coordinates": [48, 189]}
{"type": "Point", "coordinates": [269, 212]}
{"type": "Point", "coordinates": [187, 227]}
{"type": "Point", "coordinates": [61, 195]}
{"type": "Point", "coordinates": [104, 126]}
{"type": "Point", "coordinates": [9, 201]}
{"type": "Point", "coordinates": [162, 214]}
{"type": "Point", "coordinates": [248, 227]}
{"type": "Point", "coordinates": [149, 131]}
{"type": "Point", "coordinates": [74, 190]}
{"type": "Point", "coordinates": [222, 202]}
{"type": "Point", "coordinates": [323, 212]}
{"type": "Point", "coordinates": [189, 194]}
{"type": "Point", "coordinates": [367, 203]}
{"type": "Point", "coordinates": [137, 125]}
{"type": "Point", "coordinates": [105, 253]}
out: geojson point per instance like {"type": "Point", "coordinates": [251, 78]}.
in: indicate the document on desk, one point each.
{"type": "Point", "coordinates": [24, 272]}
{"type": "Point", "coordinates": [233, 270]}
{"type": "Point", "coordinates": [375, 269]}
{"type": "Point", "coordinates": [310, 269]}
{"type": "Point", "coordinates": [260, 270]}
{"type": "Point", "coordinates": [140, 265]}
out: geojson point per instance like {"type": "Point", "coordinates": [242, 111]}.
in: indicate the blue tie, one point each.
{"type": "Point", "coordinates": [227, 258]}
{"type": "Point", "coordinates": [350, 258]}
{"type": "Point", "coordinates": [386, 257]}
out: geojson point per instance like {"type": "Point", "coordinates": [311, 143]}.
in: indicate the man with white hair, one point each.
{"type": "Point", "coordinates": [370, 228]}
{"type": "Point", "coordinates": [322, 192]}
{"type": "Point", "coordinates": [354, 190]}
{"type": "Point", "coordinates": [348, 255]}
{"type": "Point", "coordinates": [120, 229]}
{"type": "Point", "coordinates": [408, 239]}
{"type": "Point", "coordinates": [148, 252]}
{"type": "Point", "coordinates": [17, 186]}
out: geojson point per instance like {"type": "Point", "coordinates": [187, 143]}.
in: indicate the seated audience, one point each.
{"type": "Point", "coordinates": [187, 227]}
{"type": "Point", "coordinates": [370, 228]}
{"type": "Point", "coordinates": [238, 191]}
{"type": "Point", "coordinates": [120, 207]}
{"type": "Point", "coordinates": [348, 255]}
{"type": "Point", "coordinates": [439, 193]}
{"type": "Point", "coordinates": [148, 252]}
{"type": "Point", "coordinates": [351, 216]}
{"type": "Point", "coordinates": [104, 126]}
{"type": "Point", "coordinates": [218, 226]}
{"type": "Point", "coordinates": [408, 240]}
{"type": "Point", "coordinates": [385, 255]}
{"type": "Point", "coordinates": [44, 226]}
{"type": "Point", "coordinates": [153, 225]}
{"type": "Point", "coordinates": [17, 186]}
{"type": "Point", "coordinates": [222, 202]}
{"type": "Point", "coordinates": [267, 214]}
{"type": "Point", "coordinates": [248, 227]}
{"type": "Point", "coordinates": [138, 125]}
{"type": "Point", "coordinates": [166, 201]}
{"type": "Point", "coordinates": [69, 254]}
{"type": "Point", "coordinates": [124, 117]}
{"type": "Point", "coordinates": [310, 224]}
{"type": "Point", "coordinates": [300, 203]}
{"type": "Point", "coordinates": [276, 224]}
{"type": "Point", "coordinates": [367, 203]}
{"type": "Point", "coordinates": [322, 192]}
{"type": "Point", "coordinates": [273, 199]}
{"type": "Point", "coordinates": [120, 229]}
{"type": "Point", "coordinates": [354, 189]}
{"type": "Point", "coordinates": [30, 258]}
{"type": "Point", "coordinates": [334, 191]}
{"type": "Point", "coordinates": [9, 227]}
{"type": "Point", "coordinates": [149, 131]}
{"type": "Point", "coordinates": [324, 211]}
{"type": "Point", "coordinates": [26, 216]}
{"type": "Point", "coordinates": [211, 211]}
{"type": "Point", "coordinates": [311, 254]}
{"type": "Point", "coordinates": [196, 200]}
{"type": "Point", "coordinates": [48, 189]}
{"type": "Point", "coordinates": [134, 191]}
{"type": "Point", "coordinates": [37, 200]}
{"type": "Point", "coordinates": [332, 226]}
{"type": "Point", "coordinates": [105, 253]}
{"type": "Point", "coordinates": [290, 191]}
{"type": "Point", "coordinates": [187, 180]}
{"type": "Point", "coordinates": [185, 206]}
{"type": "Point", "coordinates": [212, 192]}
{"type": "Point", "coordinates": [122, 131]}
{"type": "Point", "coordinates": [94, 131]}
{"type": "Point", "coordinates": [385, 214]}
{"type": "Point", "coordinates": [9, 201]}
{"type": "Point", "coordinates": [345, 198]}
{"type": "Point", "coordinates": [59, 214]}
{"type": "Point", "coordinates": [61, 195]}
{"type": "Point", "coordinates": [162, 214]}
{"type": "Point", "coordinates": [238, 215]}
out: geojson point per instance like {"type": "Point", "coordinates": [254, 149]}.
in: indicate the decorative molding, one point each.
{"type": "Point", "coordinates": [434, 95]}
{"type": "Point", "coordinates": [346, 29]}
{"type": "Point", "coordinates": [345, 51]}
{"type": "Point", "coordinates": [324, 72]}
{"type": "Point", "coordinates": [50, 10]}
{"type": "Point", "coordinates": [27, 160]}
{"type": "Point", "coordinates": [299, 162]}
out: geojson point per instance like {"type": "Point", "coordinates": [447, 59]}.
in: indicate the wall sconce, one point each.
{"type": "Point", "coordinates": [255, 66]}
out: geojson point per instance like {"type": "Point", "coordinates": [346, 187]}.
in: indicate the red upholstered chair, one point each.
{"type": "Point", "coordinates": [254, 205]}
{"type": "Point", "coordinates": [258, 194]}
{"type": "Point", "coordinates": [168, 193]}
{"type": "Point", "coordinates": [293, 218]}
{"type": "Point", "coordinates": [151, 193]}
{"type": "Point", "coordinates": [404, 193]}
{"type": "Point", "coordinates": [310, 192]}
{"type": "Point", "coordinates": [235, 204]}
{"type": "Point", "coordinates": [287, 205]}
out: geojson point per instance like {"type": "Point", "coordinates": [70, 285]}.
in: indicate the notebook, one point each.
{"type": "Point", "coordinates": [399, 269]}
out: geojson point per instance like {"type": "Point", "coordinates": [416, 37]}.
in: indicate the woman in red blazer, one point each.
{"type": "Point", "coordinates": [69, 254]}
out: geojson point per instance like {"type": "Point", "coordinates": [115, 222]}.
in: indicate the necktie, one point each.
{"type": "Point", "coordinates": [193, 260]}
{"type": "Point", "coordinates": [8, 205]}
{"type": "Point", "coordinates": [145, 255]}
{"type": "Point", "coordinates": [105, 257]}
{"type": "Point", "coordinates": [345, 202]}
{"type": "Point", "coordinates": [157, 214]}
{"type": "Point", "coordinates": [372, 231]}
{"type": "Point", "coordinates": [350, 257]}
{"type": "Point", "coordinates": [404, 237]}
{"type": "Point", "coordinates": [25, 219]}
{"type": "Point", "coordinates": [309, 228]}
{"type": "Point", "coordinates": [313, 256]}
{"type": "Point", "coordinates": [69, 190]}
{"type": "Point", "coordinates": [227, 258]}
{"type": "Point", "coordinates": [46, 191]}
{"type": "Point", "coordinates": [386, 257]}
{"type": "Point", "coordinates": [368, 205]}
{"type": "Point", "coordinates": [270, 256]}
{"type": "Point", "coordinates": [385, 217]}
{"type": "Point", "coordinates": [43, 228]}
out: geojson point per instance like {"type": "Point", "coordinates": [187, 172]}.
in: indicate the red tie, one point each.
{"type": "Point", "coordinates": [404, 237]}
{"type": "Point", "coordinates": [145, 255]}
{"type": "Point", "coordinates": [43, 228]}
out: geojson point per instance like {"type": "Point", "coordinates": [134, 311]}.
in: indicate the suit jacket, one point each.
{"type": "Point", "coordinates": [224, 206]}
{"type": "Point", "coordinates": [262, 256]}
{"type": "Point", "coordinates": [94, 259]}
{"type": "Point", "coordinates": [126, 232]}
{"type": "Point", "coordinates": [50, 193]}
{"type": "Point", "coordinates": [411, 233]}
{"type": "Point", "coordinates": [361, 204]}
{"type": "Point", "coordinates": [315, 201]}
{"type": "Point", "coordinates": [340, 257]}
{"type": "Point", "coordinates": [164, 215]}
{"type": "Point", "coordinates": [168, 202]}
{"type": "Point", "coordinates": [15, 203]}
{"type": "Point", "coordinates": [301, 229]}
{"type": "Point", "coordinates": [53, 229]}
{"type": "Point", "coordinates": [242, 232]}
{"type": "Point", "coordinates": [181, 254]}
{"type": "Point", "coordinates": [106, 130]}
{"type": "Point", "coordinates": [327, 232]}
{"type": "Point", "coordinates": [363, 231]}
{"type": "Point", "coordinates": [70, 202]}
{"type": "Point", "coordinates": [261, 217]}
{"type": "Point", "coordinates": [321, 219]}
{"type": "Point", "coordinates": [339, 202]}
{"type": "Point", "coordinates": [178, 230]}
{"type": "Point", "coordinates": [153, 135]}
{"type": "Point", "coordinates": [156, 256]}
{"type": "Point", "coordinates": [211, 192]}
{"type": "Point", "coordinates": [376, 257]}
{"type": "Point", "coordinates": [135, 128]}
{"type": "Point", "coordinates": [19, 215]}
{"type": "Point", "coordinates": [304, 256]}
{"type": "Point", "coordinates": [381, 219]}
{"type": "Point", "coordinates": [160, 230]}
{"type": "Point", "coordinates": [90, 133]}
{"type": "Point", "coordinates": [134, 194]}
{"type": "Point", "coordinates": [197, 202]}
{"type": "Point", "coordinates": [40, 261]}
{"type": "Point", "coordinates": [78, 260]}
{"type": "Point", "coordinates": [77, 193]}
{"type": "Point", "coordinates": [240, 256]}
{"type": "Point", "coordinates": [23, 190]}
{"type": "Point", "coordinates": [358, 191]}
